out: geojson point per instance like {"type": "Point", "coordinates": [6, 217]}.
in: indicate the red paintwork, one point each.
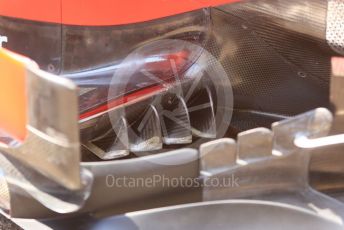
{"type": "Point", "coordinates": [37, 10]}
{"type": "Point", "coordinates": [121, 101]}
{"type": "Point", "coordinates": [100, 12]}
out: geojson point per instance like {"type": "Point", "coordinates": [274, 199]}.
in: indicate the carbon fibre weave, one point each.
{"type": "Point", "coordinates": [276, 55]}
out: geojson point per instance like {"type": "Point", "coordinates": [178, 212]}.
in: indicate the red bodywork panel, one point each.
{"type": "Point", "coordinates": [100, 12]}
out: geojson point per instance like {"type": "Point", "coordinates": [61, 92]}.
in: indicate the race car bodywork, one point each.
{"type": "Point", "coordinates": [140, 89]}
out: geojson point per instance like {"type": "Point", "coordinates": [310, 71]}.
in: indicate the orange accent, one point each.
{"type": "Point", "coordinates": [100, 12]}
{"type": "Point", "coordinates": [13, 104]}
{"type": "Point", "coordinates": [37, 10]}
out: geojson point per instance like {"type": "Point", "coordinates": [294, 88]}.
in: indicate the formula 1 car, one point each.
{"type": "Point", "coordinates": [168, 114]}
